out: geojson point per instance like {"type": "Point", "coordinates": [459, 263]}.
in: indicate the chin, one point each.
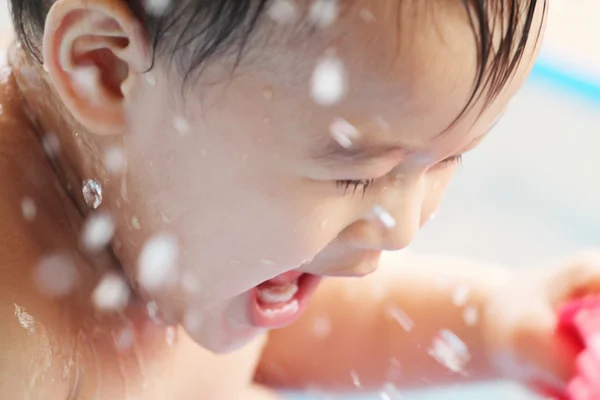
{"type": "Point", "coordinates": [229, 342]}
{"type": "Point", "coordinates": [224, 328]}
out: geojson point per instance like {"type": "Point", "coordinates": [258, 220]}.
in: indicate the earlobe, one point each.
{"type": "Point", "coordinates": [94, 54]}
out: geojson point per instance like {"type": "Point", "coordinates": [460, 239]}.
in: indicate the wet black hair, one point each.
{"type": "Point", "coordinates": [209, 28]}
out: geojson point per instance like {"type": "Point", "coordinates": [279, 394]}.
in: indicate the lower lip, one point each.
{"type": "Point", "coordinates": [307, 284]}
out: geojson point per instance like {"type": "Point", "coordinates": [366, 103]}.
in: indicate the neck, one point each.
{"type": "Point", "coordinates": [80, 153]}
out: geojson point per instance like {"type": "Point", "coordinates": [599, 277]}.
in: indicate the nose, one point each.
{"type": "Point", "coordinates": [399, 214]}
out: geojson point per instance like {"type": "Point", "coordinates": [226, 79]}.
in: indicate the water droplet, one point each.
{"type": "Point", "coordinates": [402, 318]}
{"type": "Point", "coordinates": [283, 11]}
{"type": "Point", "coordinates": [329, 81]}
{"type": "Point", "coordinates": [115, 160]}
{"type": "Point", "coordinates": [152, 310]}
{"type": "Point", "coordinates": [51, 145]}
{"type": "Point", "coordinates": [322, 327]}
{"type": "Point", "coordinates": [450, 351]}
{"type": "Point", "coordinates": [384, 396]}
{"type": "Point", "coordinates": [55, 275]}
{"type": "Point", "coordinates": [25, 319]}
{"type": "Point", "coordinates": [157, 261]}
{"type": "Point", "coordinates": [150, 79]}
{"type": "Point", "coordinates": [268, 93]}
{"type": "Point", "coordinates": [323, 13]}
{"type": "Point", "coordinates": [181, 125]}
{"type": "Point", "coordinates": [460, 295]}
{"type": "Point", "coordinates": [157, 8]}
{"type": "Point", "coordinates": [355, 378]}
{"type": "Point", "coordinates": [470, 315]}
{"type": "Point", "coordinates": [135, 223]}
{"type": "Point", "coordinates": [164, 217]}
{"type": "Point", "coordinates": [192, 321]}
{"type": "Point", "coordinates": [28, 208]}
{"type": "Point", "coordinates": [190, 282]}
{"type": "Point", "coordinates": [112, 293]}
{"type": "Point", "coordinates": [382, 123]}
{"type": "Point", "coordinates": [92, 193]}
{"type": "Point", "coordinates": [343, 132]}
{"type": "Point", "coordinates": [384, 216]}
{"type": "Point", "coordinates": [366, 15]}
{"type": "Point", "coordinates": [170, 335]}
{"type": "Point", "coordinates": [98, 231]}
{"type": "Point", "coordinates": [124, 339]}
{"type": "Point", "coordinates": [85, 82]}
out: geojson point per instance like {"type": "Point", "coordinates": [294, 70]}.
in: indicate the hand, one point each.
{"type": "Point", "coordinates": [520, 322]}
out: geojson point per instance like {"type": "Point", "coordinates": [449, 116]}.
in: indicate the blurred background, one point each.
{"type": "Point", "coordinates": [531, 193]}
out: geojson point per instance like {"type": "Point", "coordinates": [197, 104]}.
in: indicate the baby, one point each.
{"type": "Point", "coordinates": [189, 187]}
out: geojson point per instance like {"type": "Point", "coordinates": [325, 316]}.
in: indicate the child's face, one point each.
{"type": "Point", "coordinates": [244, 169]}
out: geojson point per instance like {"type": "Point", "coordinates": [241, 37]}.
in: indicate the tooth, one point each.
{"type": "Point", "coordinates": [277, 294]}
{"type": "Point", "coordinates": [288, 308]}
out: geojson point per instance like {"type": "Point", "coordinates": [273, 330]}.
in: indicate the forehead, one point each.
{"type": "Point", "coordinates": [405, 60]}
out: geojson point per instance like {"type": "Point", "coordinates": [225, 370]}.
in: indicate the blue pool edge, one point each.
{"type": "Point", "coordinates": [565, 80]}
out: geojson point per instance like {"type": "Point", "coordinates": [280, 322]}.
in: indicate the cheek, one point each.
{"type": "Point", "coordinates": [436, 185]}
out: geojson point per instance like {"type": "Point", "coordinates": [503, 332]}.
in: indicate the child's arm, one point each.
{"type": "Point", "coordinates": [368, 344]}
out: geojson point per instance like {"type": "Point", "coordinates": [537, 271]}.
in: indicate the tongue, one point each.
{"type": "Point", "coordinates": [285, 278]}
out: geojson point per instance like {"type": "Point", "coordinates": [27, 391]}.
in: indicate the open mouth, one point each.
{"type": "Point", "coordinates": [280, 301]}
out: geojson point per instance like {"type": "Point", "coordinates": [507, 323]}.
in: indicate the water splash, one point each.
{"type": "Point", "coordinates": [283, 11]}
{"type": "Point", "coordinates": [193, 321]}
{"type": "Point", "coordinates": [355, 379]}
{"type": "Point", "coordinates": [450, 351]}
{"type": "Point", "coordinates": [92, 193]}
{"type": "Point", "coordinates": [157, 261]}
{"type": "Point", "coordinates": [460, 295]}
{"type": "Point", "coordinates": [28, 209]}
{"type": "Point", "coordinates": [112, 293]}
{"type": "Point", "coordinates": [384, 216]}
{"type": "Point", "coordinates": [51, 145]}
{"type": "Point", "coordinates": [157, 8]}
{"type": "Point", "coordinates": [98, 231]}
{"type": "Point", "coordinates": [85, 82]}
{"type": "Point", "coordinates": [170, 335]}
{"type": "Point", "coordinates": [181, 125]}
{"type": "Point", "coordinates": [470, 315]}
{"type": "Point", "coordinates": [329, 83]}
{"type": "Point", "coordinates": [321, 327]}
{"type": "Point", "coordinates": [114, 160]}
{"type": "Point", "coordinates": [153, 312]}
{"type": "Point", "coordinates": [150, 79]}
{"type": "Point", "coordinates": [343, 132]}
{"type": "Point", "coordinates": [268, 93]}
{"type": "Point", "coordinates": [123, 339]}
{"type": "Point", "coordinates": [190, 282]}
{"type": "Point", "coordinates": [323, 13]}
{"type": "Point", "coordinates": [135, 223]}
{"type": "Point", "coordinates": [401, 318]}
{"type": "Point", "coordinates": [55, 275]}
{"type": "Point", "coordinates": [25, 319]}
{"type": "Point", "coordinates": [366, 15]}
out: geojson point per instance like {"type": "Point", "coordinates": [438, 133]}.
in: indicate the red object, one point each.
{"type": "Point", "coordinates": [579, 321]}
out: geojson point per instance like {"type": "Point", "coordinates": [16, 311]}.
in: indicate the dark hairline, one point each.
{"type": "Point", "coordinates": [212, 28]}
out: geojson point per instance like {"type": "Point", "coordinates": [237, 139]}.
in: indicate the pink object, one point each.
{"type": "Point", "coordinates": [579, 321]}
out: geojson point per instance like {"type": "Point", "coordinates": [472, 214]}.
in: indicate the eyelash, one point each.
{"type": "Point", "coordinates": [364, 184]}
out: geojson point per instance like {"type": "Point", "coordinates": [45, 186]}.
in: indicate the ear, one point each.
{"type": "Point", "coordinates": [94, 54]}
